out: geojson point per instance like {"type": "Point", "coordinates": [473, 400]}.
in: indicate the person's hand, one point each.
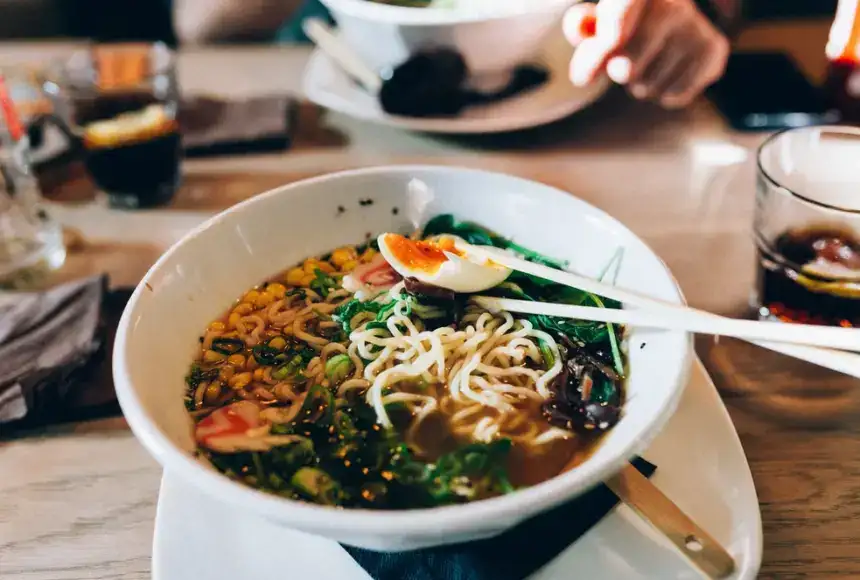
{"type": "Point", "coordinates": [663, 50]}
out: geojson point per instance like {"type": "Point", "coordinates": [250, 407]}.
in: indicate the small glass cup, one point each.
{"type": "Point", "coordinates": [807, 226]}
{"type": "Point", "coordinates": [118, 104]}
{"type": "Point", "coordinates": [31, 243]}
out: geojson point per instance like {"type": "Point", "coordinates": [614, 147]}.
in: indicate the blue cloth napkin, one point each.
{"type": "Point", "coordinates": [513, 555]}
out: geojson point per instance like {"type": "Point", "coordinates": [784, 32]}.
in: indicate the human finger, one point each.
{"type": "Point", "coordinates": [616, 22]}
{"type": "Point", "coordinates": [663, 69]}
{"type": "Point", "coordinates": [692, 82]}
{"type": "Point", "coordinates": [651, 38]}
{"type": "Point", "coordinates": [580, 22]}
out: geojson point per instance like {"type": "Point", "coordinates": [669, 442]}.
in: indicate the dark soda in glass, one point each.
{"type": "Point", "coordinates": [811, 275]}
{"type": "Point", "coordinates": [133, 147]}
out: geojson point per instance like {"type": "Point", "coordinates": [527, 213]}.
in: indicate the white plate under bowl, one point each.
{"type": "Point", "coordinates": [328, 86]}
{"type": "Point", "coordinates": [701, 466]}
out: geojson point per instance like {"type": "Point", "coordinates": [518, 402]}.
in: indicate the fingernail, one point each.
{"type": "Point", "coordinates": [618, 69]}
{"type": "Point", "coordinates": [639, 91]}
{"type": "Point", "coordinates": [588, 27]}
{"type": "Point", "coordinates": [578, 71]}
{"type": "Point", "coordinates": [578, 77]}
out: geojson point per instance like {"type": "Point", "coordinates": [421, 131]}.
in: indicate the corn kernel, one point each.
{"type": "Point", "coordinates": [310, 266]}
{"type": "Point", "coordinates": [231, 334]}
{"type": "Point", "coordinates": [278, 343]}
{"type": "Point", "coordinates": [368, 255]}
{"type": "Point", "coordinates": [237, 360]}
{"type": "Point", "coordinates": [276, 290]}
{"type": "Point", "coordinates": [213, 391]}
{"type": "Point", "coordinates": [264, 299]}
{"type": "Point", "coordinates": [349, 265]}
{"type": "Point", "coordinates": [226, 372]}
{"type": "Point", "coordinates": [233, 320]}
{"type": "Point", "coordinates": [294, 277]}
{"type": "Point", "coordinates": [243, 309]}
{"type": "Point", "coordinates": [325, 267]}
{"type": "Point", "coordinates": [342, 255]}
{"type": "Point", "coordinates": [217, 326]}
{"type": "Point", "coordinates": [259, 374]}
{"type": "Point", "coordinates": [252, 363]}
{"type": "Point", "coordinates": [211, 356]}
{"type": "Point", "coordinates": [306, 281]}
{"type": "Point", "coordinates": [251, 296]}
{"type": "Point", "coordinates": [239, 381]}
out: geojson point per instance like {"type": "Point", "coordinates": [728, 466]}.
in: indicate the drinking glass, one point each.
{"type": "Point", "coordinates": [807, 226]}
{"type": "Point", "coordinates": [117, 104]}
{"type": "Point", "coordinates": [31, 243]}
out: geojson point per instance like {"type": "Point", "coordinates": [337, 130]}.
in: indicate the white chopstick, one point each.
{"type": "Point", "coordinates": [689, 321]}
{"type": "Point", "coordinates": [839, 361]}
{"type": "Point", "coordinates": [342, 54]}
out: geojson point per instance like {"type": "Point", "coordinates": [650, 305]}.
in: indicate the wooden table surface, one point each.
{"type": "Point", "coordinates": [79, 501]}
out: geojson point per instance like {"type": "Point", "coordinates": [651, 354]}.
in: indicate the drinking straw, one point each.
{"type": "Point", "coordinates": [10, 114]}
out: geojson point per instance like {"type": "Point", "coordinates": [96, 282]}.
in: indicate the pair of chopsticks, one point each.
{"type": "Point", "coordinates": [821, 345]}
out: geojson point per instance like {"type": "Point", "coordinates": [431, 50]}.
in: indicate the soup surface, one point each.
{"type": "Point", "coordinates": [342, 382]}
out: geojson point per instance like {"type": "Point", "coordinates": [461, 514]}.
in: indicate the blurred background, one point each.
{"type": "Point", "coordinates": [109, 20]}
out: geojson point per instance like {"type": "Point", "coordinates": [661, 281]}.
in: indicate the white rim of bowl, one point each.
{"type": "Point", "coordinates": [382, 523]}
{"type": "Point", "coordinates": [374, 11]}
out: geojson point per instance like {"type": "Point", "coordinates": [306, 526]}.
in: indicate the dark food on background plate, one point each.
{"type": "Point", "coordinates": [341, 383]}
{"type": "Point", "coordinates": [811, 276]}
{"type": "Point", "coordinates": [434, 83]}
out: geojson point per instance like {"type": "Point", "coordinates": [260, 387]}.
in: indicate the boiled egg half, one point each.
{"type": "Point", "coordinates": [443, 261]}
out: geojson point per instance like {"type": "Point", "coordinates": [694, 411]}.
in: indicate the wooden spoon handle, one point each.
{"type": "Point", "coordinates": [653, 506]}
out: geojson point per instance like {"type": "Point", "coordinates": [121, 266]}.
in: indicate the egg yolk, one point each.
{"type": "Point", "coordinates": [422, 256]}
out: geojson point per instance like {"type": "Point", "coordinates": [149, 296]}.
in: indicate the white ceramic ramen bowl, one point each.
{"type": "Point", "coordinates": [492, 35]}
{"type": "Point", "coordinates": [200, 276]}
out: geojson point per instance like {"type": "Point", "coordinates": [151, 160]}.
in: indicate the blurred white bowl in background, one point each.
{"type": "Point", "coordinates": [493, 36]}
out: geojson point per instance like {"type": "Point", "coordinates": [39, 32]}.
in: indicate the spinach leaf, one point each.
{"type": "Point", "coordinates": [474, 470]}
{"type": "Point", "coordinates": [346, 312]}
{"type": "Point", "coordinates": [383, 310]}
{"type": "Point", "coordinates": [581, 331]}
{"type": "Point", "coordinates": [478, 235]}
{"type": "Point", "coordinates": [386, 311]}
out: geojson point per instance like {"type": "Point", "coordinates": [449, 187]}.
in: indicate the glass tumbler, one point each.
{"type": "Point", "coordinates": [117, 104]}
{"type": "Point", "coordinates": [31, 243]}
{"type": "Point", "coordinates": [807, 226]}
